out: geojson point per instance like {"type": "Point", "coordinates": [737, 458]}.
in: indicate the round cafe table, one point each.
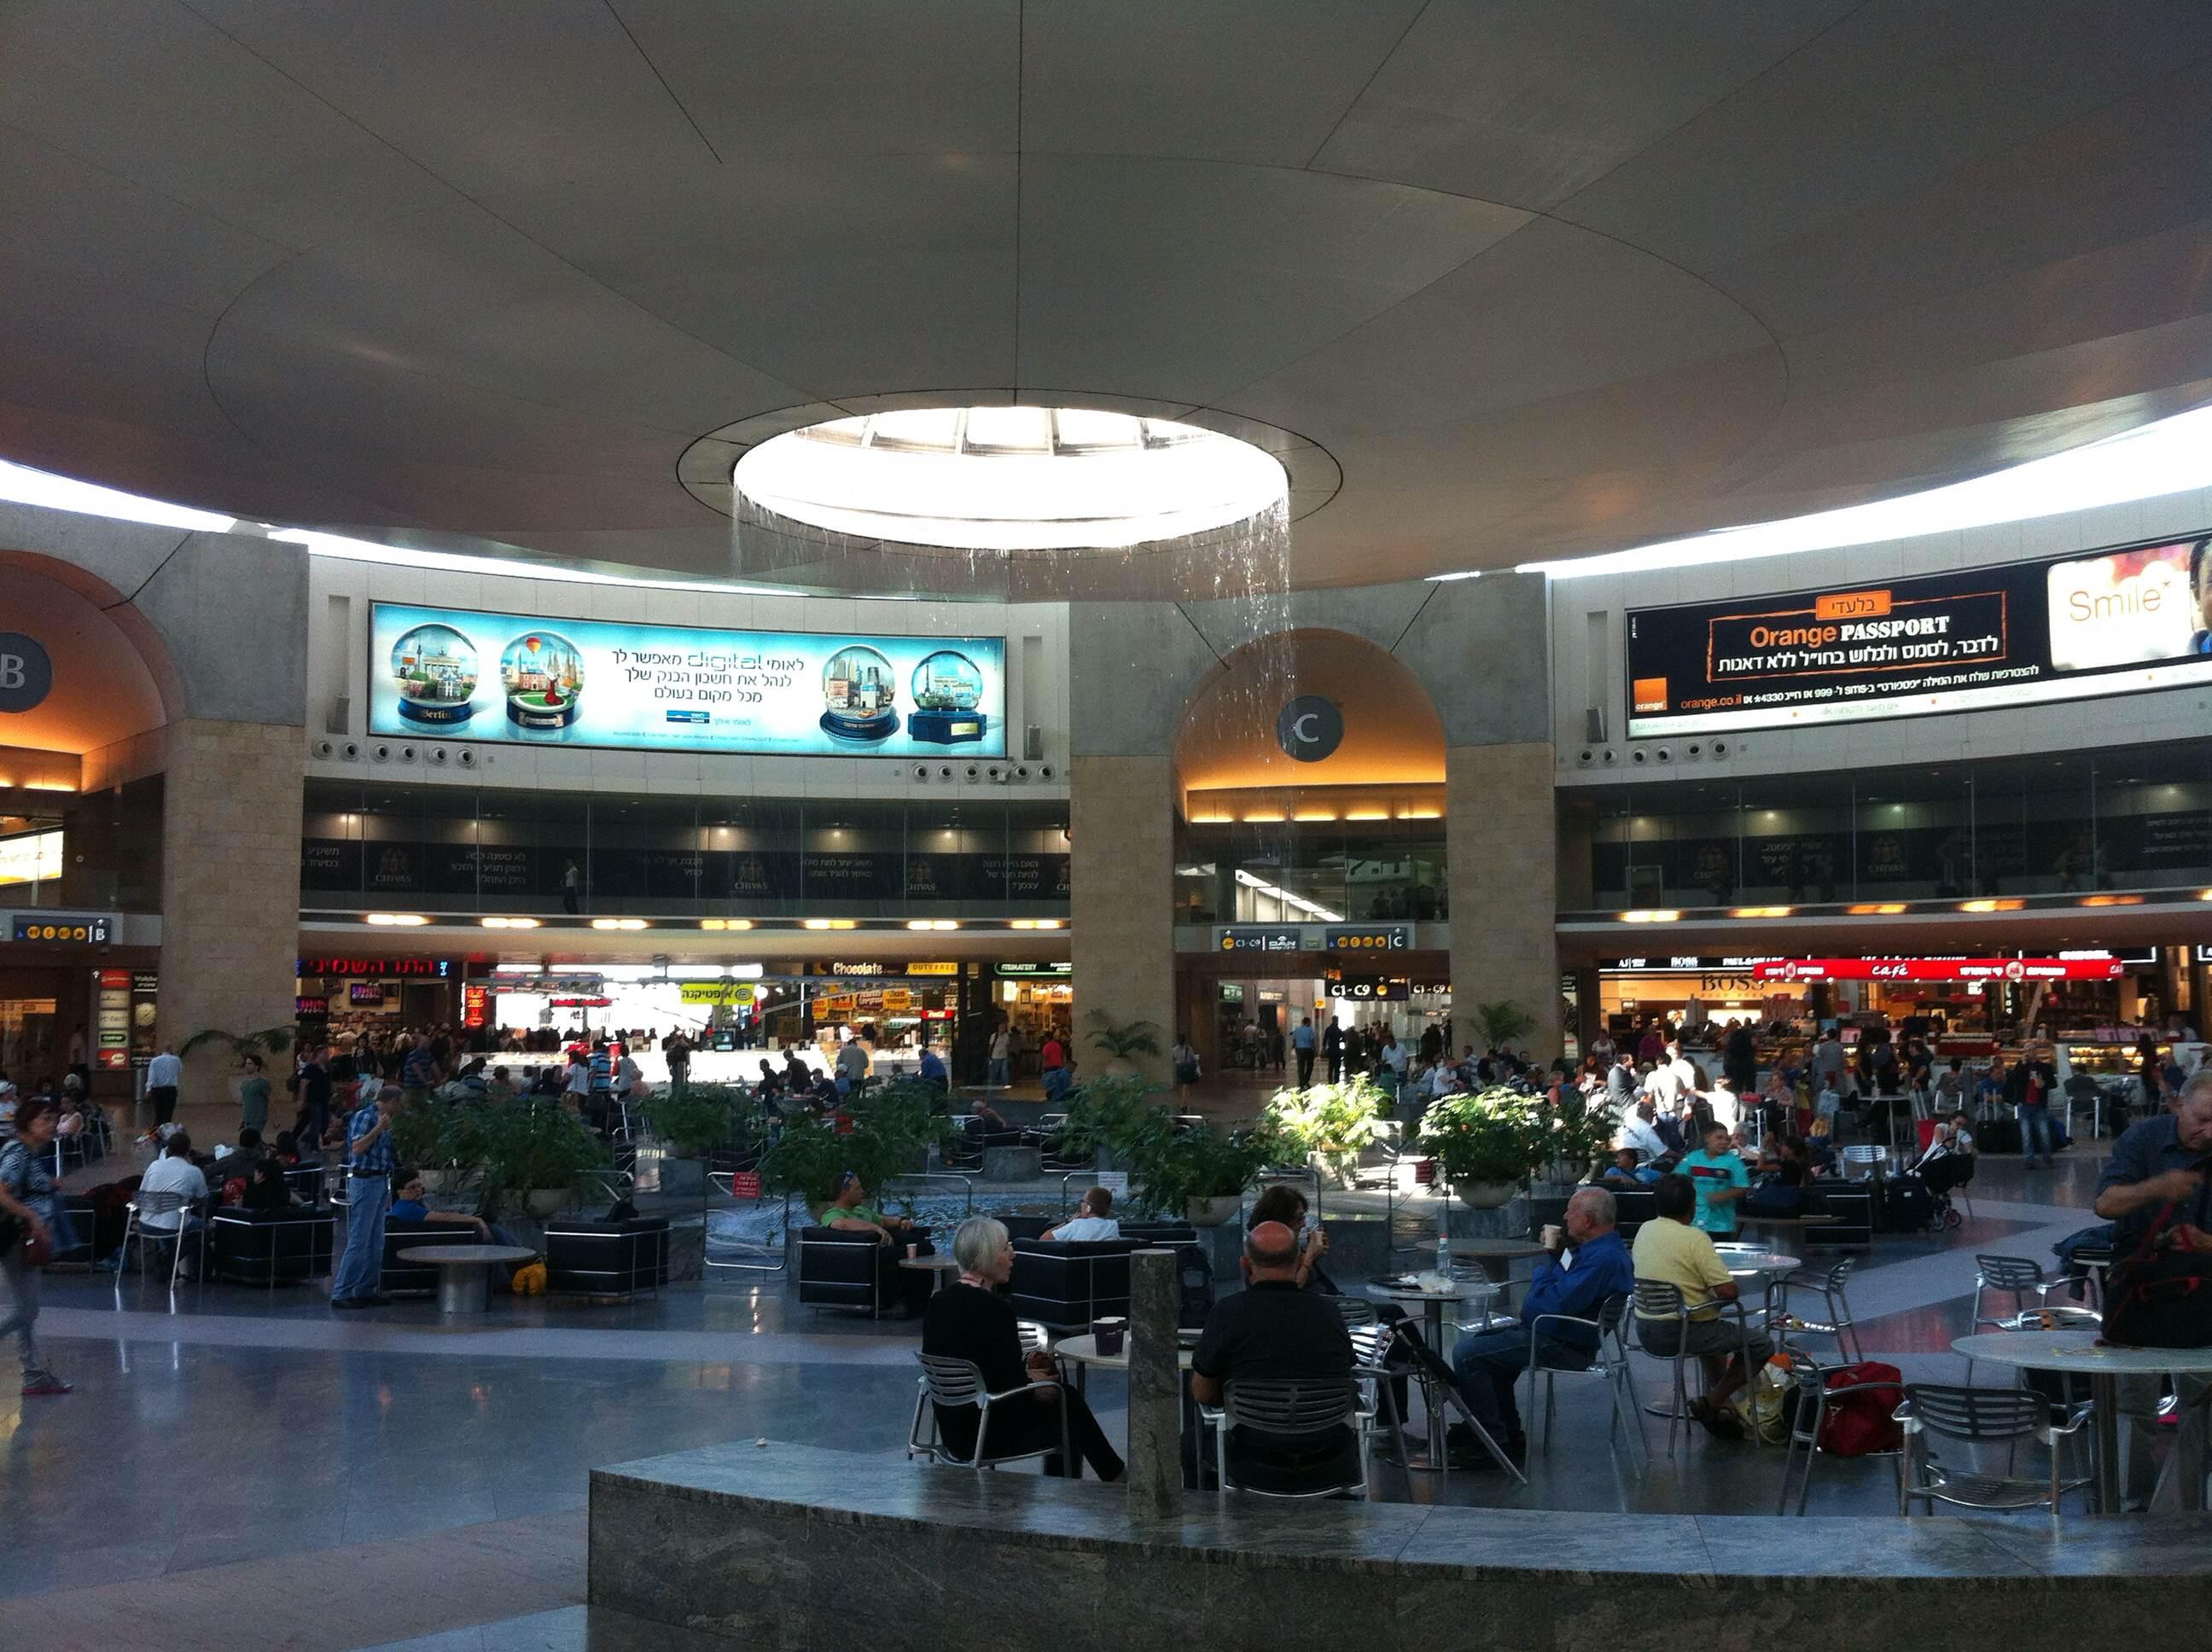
{"type": "Point", "coordinates": [939, 1265]}
{"type": "Point", "coordinates": [2080, 1353]}
{"type": "Point", "coordinates": [1431, 1305]}
{"type": "Point", "coordinates": [1496, 1257]}
{"type": "Point", "coordinates": [464, 1272]}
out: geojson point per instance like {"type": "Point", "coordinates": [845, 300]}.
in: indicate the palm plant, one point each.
{"type": "Point", "coordinates": [1120, 1040]}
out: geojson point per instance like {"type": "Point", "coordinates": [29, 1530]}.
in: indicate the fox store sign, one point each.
{"type": "Point", "coordinates": [26, 671]}
{"type": "Point", "coordinates": [2069, 627]}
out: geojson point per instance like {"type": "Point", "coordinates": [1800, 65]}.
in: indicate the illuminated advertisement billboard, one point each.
{"type": "Point", "coordinates": [458, 674]}
{"type": "Point", "coordinates": [2068, 628]}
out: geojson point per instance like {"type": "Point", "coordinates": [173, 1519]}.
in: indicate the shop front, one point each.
{"type": "Point", "coordinates": [340, 995]}
{"type": "Point", "coordinates": [72, 997]}
{"type": "Point", "coordinates": [1242, 999]}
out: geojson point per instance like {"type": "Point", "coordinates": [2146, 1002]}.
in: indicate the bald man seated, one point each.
{"type": "Point", "coordinates": [1273, 1329]}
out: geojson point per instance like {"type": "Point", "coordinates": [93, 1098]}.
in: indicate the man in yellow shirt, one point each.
{"type": "Point", "coordinates": [1676, 1252]}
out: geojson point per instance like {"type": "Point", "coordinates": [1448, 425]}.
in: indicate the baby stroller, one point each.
{"type": "Point", "coordinates": [1946, 1176]}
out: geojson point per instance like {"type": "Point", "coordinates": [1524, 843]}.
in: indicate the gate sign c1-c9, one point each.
{"type": "Point", "coordinates": [2068, 627]}
{"type": "Point", "coordinates": [454, 674]}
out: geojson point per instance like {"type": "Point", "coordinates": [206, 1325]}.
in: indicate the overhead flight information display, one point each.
{"type": "Point", "coordinates": [456, 674]}
{"type": "Point", "coordinates": [2068, 628]}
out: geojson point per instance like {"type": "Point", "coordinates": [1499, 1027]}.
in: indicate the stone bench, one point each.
{"type": "Point", "coordinates": [798, 1547]}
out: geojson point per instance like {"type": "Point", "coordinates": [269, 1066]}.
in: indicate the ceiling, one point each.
{"type": "Point", "coordinates": [1539, 277]}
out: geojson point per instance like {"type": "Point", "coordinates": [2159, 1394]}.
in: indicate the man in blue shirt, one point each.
{"type": "Point", "coordinates": [933, 1070]}
{"type": "Point", "coordinates": [1576, 1277]}
{"type": "Point", "coordinates": [1302, 1042]}
{"type": "Point", "coordinates": [369, 1164]}
{"type": "Point", "coordinates": [1718, 1173]}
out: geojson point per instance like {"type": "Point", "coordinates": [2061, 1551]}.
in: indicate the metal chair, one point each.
{"type": "Point", "coordinates": [1980, 1417]}
{"type": "Point", "coordinates": [1657, 1300]}
{"type": "Point", "coordinates": [1286, 1406]}
{"type": "Point", "coordinates": [1814, 1393]}
{"type": "Point", "coordinates": [1609, 1362]}
{"type": "Point", "coordinates": [1378, 1400]}
{"type": "Point", "coordinates": [950, 1384]}
{"type": "Point", "coordinates": [1357, 1311]}
{"type": "Point", "coordinates": [134, 1213]}
{"type": "Point", "coordinates": [921, 1437]}
{"type": "Point", "coordinates": [2016, 1276]}
{"type": "Point", "coordinates": [1862, 1161]}
{"type": "Point", "coordinates": [1827, 1284]}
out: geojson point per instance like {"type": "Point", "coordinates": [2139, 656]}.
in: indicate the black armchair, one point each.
{"type": "Point", "coordinates": [838, 1269]}
{"type": "Point", "coordinates": [606, 1259]}
{"type": "Point", "coordinates": [274, 1247]}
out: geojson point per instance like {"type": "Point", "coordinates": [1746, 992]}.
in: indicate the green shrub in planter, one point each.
{"type": "Point", "coordinates": [1498, 1138]}
{"type": "Point", "coordinates": [694, 1121]}
{"type": "Point", "coordinates": [1170, 1168]}
{"type": "Point", "coordinates": [1330, 1123]}
{"type": "Point", "coordinates": [1113, 1114]}
{"type": "Point", "coordinates": [893, 1128]}
{"type": "Point", "coordinates": [527, 1148]}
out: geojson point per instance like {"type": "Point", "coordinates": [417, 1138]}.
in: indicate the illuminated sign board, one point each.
{"type": "Point", "coordinates": [1972, 970]}
{"type": "Point", "coordinates": [377, 969]}
{"type": "Point", "coordinates": [2068, 627]}
{"type": "Point", "coordinates": [528, 680]}
{"type": "Point", "coordinates": [1708, 964]}
{"type": "Point", "coordinates": [716, 992]}
{"type": "Point", "coordinates": [1370, 989]}
{"type": "Point", "coordinates": [91, 927]}
{"type": "Point", "coordinates": [31, 857]}
{"type": "Point", "coordinates": [1258, 937]}
{"type": "Point", "coordinates": [1062, 968]}
{"type": "Point", "coordinates": [1368, 938]}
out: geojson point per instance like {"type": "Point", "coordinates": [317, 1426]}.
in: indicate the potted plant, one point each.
{"type": "Point", "coordinates": [1328, 1125]}
{"type": "Point", "coordinates": [887, 1134]}
{"type": "Point", "coordinates": [1107, 1117]}
{"type": "Point", "coordinates": [1199, 1174]}
{"type": "Point", "coordinates": [1502, 1023]}
{"type": "Point", "coordinates": [262, 1046]}
{"type": "Point", "coordinates": [1120, 1040]}
{"type": "Point", "coordinates": [690, 1125]}
{"type": "Point", "coordinates": [533, 1156]}
{"type": "Point", "coordinates": [1488, 1144]}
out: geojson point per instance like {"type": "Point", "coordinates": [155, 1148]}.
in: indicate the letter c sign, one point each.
{"type": "Point", "coordinates": [1310, 728]}
{"type": "Point", "coordinates": [27, 674]}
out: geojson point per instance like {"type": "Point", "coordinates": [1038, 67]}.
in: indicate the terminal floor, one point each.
{"type": "Point", "coordinates": [243, 1468]}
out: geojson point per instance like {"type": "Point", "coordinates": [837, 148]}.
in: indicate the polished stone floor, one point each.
{"type": "Point", "coordinates": [246, 1468]}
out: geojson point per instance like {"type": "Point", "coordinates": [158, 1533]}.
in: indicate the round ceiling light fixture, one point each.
{"type": "Point", "coordinates": [1008, 479]}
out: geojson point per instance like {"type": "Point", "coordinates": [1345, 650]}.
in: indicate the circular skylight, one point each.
{"type": "Point", "coordinates": [1010, 478]}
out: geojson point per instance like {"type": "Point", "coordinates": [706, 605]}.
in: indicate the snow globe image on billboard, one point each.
{"type": "Point", "coordinates": [434, 668]}
{"type": "Point", "coordinates": [543, 675]}
{"type": "Point", "coordinates": [948, 689]}
{"type": "Point", "coordinates": [859, 695]}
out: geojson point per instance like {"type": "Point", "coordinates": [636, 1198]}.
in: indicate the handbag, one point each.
{"type": "Point", "coordinates": [2160, 1296]}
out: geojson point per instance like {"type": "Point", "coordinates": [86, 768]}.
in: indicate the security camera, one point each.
{"type": "Point", "coordinates": [407, 754]}
{"type": "Point", "coordinates": [1606, 755]}
{"type": "Point", "coordinates": [351, 751]}
{"type": "Point", "coordinates": [1586, 758]}
{"type": "Point", "coordinates": [944, 771]}
{"type": "Point", "coordinates": [1720, 748]}
{"type": "Point", "coordinates": [1021, 771]}
{"type": "Point", "coordinates": [1665, 754]}
{"type": "Point", "coordinates": [438, 754]}
{"type": "Point", "coordinates": [380, 753]}
{"type": "Point", "coordinates": [1694, 751]}
{"type": "Point", "coordinates": [973, 771]}
{"type": "Point", "coordinates": [1045, 773]}
{"type": "Point", "coordinates": [324, 747]}
{"type": "Point", "coordinates": [922, 771]}
{"type": "Point", "coordinates": [466, 756]}
{"type": "Point", "coordinates": [1639, 756]}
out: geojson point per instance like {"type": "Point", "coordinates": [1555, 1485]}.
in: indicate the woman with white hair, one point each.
{"type": "Point", "coordinates": [967, 1319]}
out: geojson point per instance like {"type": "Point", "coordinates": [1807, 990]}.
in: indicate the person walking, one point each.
{"type": "Point", "coordinates": [679, 1063]}
{"type": "Point", "coordinates": [1302, 1041]}
{"type": "Point", "coordinates": [253, 1092]}
{"type": "Point", "coordinates": [1002, 1051]}
{"type": "Point", "coordinates": [1331, 1045]}
{"type": "Point", "coordinates": [369, 1163]}
{"type": "Point", "coordinates": [571, 887]}
{"type": "Point", "coordinates": [27, 1196]}
{"type": "Point", "coordinates": [163, 1074]}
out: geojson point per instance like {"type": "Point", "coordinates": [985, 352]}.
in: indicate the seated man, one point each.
{"type": "Point", "coordinates": [1674, 1252]}
{"type": "Point", "coordinates": [1093, 1222]}
{"type": "Point", "coordinates": [1581, 1269]}
{"type": "Point", "coordinates": [1273, 1329]}
{"type": "Point", "coordinates": [932, 1071]}
{"type": "Point", "coordinates": [174, 1173]}
{"type": "Point", "coordinates": [851, 1212]}
{"type": "Point", "coordinates": [407, 1205]}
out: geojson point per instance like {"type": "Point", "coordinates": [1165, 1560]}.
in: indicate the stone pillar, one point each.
{"type": "Point", "coordinates": [1121, 910]}
{"type": "Point", "coordinates": [230, 890]}
{"type": "Point", "coordinates": [1503, 846]}
{"type": "Point", "coordinates": [1155, 1463]}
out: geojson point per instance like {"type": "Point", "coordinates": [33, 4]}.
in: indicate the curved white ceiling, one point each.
{"type": "Point", "coordinates": [1542, 279]}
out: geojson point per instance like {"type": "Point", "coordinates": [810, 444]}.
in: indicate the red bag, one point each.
{"type": "Point", "coordinates": [2159, 1295]}
{"type": "Point", "coordinates": [1862, 1424]}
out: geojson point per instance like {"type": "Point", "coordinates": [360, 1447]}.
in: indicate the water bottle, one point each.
{"type": "Point", "coordinates": [1443, 1253]}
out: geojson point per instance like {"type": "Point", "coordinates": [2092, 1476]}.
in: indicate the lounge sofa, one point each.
{"type": "Point", "coordinates": [606, 1259]}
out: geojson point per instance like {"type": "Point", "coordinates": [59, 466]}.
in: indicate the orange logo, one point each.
{"type": "Point", "coordinates": [1650, 693]}
{"type": "Point", "coordinates": [1852, 604]}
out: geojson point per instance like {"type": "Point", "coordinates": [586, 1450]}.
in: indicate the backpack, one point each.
{"type": "Point", "coordinates": [1775, 1198]}
{"type": "Point", "coordinates": [2159, 1295]}
{"type": "Point", "coordinates": [1859, 1425]}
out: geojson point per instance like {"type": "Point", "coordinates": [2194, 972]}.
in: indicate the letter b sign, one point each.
{"type": "Point", "coordinates": [25, 671]}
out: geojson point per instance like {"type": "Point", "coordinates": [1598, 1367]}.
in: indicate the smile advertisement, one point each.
{"type": "Point", "coordinates": [455, 674]}
{"type": "Point", "coordinates": [2069, 627]}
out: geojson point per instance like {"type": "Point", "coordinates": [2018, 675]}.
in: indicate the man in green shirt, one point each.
{"type": "Point", "coordinates": [850, 1213]}
{"type": "Point", "coordinates": [1719, 1174]}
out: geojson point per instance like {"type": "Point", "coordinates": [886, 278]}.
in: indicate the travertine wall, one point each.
{"type": "Point", "coordinates": [1121, 927]}
{"type": "Point", "coordinates": [1500, 840]}
{"type": "Point", "coordinates": [230, 882]}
